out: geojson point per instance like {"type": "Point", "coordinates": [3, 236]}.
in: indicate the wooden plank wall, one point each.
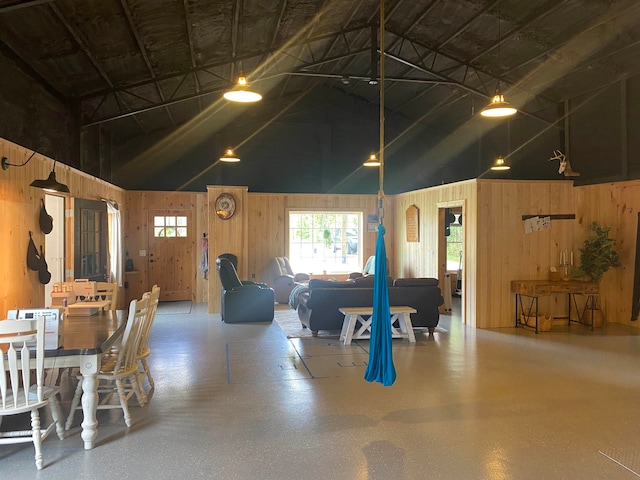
{"type": "Point", "coordinates": [19, 209]}
{"type": "Point", "coordinates": [506, 252]}
{"type": "Point", "coordinates": [227, 236]}
{"type": "Point", "coordinates": [497, 250]}
{"type": "Point", "coordinates": [615, 205]}
{"type": "Point", "coordinates": [268, 226]}
{"type": "Point", "coordinates": [265, 224]}
{"type": "Point", "coordinates": [136, 236]}
{"type": "Point", "coordinates": [420, 259]}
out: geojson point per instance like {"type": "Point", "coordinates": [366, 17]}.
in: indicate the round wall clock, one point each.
{"type": "Point", "coordinates": [225, 206]}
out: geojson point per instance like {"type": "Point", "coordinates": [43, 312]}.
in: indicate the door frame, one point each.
{"type": "Point", "coordinates": [442, 250]}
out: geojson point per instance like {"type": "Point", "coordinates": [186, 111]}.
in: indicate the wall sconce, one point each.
{"type": "Point", "coordinates": [50, 184]}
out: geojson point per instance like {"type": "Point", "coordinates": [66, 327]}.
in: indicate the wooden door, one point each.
{"type": "Point", "coordinates": [171, 253]}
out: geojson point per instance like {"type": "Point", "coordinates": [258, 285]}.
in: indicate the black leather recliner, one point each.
{"type": "Point", "coordinates": [243, 301]}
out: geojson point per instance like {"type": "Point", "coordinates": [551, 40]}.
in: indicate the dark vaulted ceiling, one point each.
{"type": "Point", "coordinates": [148, 76]}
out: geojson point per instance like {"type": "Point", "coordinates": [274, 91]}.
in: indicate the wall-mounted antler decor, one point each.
{"type": "Point", "coordinates": [565, 165]}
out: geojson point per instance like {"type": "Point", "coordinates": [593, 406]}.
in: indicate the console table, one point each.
{"type": "Point", "coordinates": [534, 289]}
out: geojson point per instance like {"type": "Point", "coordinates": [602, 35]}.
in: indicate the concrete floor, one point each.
{"type": "Point", "coordinates": [243, 402]}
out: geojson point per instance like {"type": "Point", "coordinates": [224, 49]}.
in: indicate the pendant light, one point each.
{"type": "Point", "coordinates": [229, 156]}
{"type": "Point", "coordinates": [372, 161]}
{"type": "Point", "coordinates": [241, 93]}
{"type": "Point", "coordinates": [498, 107]}
{"type": "Point", "coordinates": [500, 165]}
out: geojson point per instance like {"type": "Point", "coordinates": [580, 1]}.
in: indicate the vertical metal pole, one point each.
{"type": "Point", "coordinates": [381, 87]}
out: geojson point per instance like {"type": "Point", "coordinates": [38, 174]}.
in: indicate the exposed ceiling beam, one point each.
{"type": "Point", "coordinates": [310, 29]}
{"type": "Point", "coordinates": [540, 12]}
{"type": "Point", "coordinates": [235, 31]}
{"type": "Point", "coordinates": [458, 84]}
{"type": "Point", "coordinates": [192, 51]}
{"type": "Point", "coordinates": [8, 52]}
{"type": "Point", "coordinates": [205, 68]}
{"type": "Point", "coordinates": [143, 52]}
{"type": "Point", "coordinates": [466, 25]}
{"type": "Point", "coordinates": [83, 45]}
{"type": "Point", "coordinates": [9, 7]}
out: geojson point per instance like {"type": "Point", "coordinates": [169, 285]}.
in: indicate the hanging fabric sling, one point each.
{"type": "Point", "coordinates": [380, 367]}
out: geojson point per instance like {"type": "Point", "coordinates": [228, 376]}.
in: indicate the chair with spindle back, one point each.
{"type": "Point", "coordinates": [18, 338]}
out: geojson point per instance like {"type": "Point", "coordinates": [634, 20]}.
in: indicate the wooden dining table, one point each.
{"type": "Point", "coordinates": [82, 341]}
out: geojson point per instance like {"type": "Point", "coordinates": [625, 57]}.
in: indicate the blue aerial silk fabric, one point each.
{"type": "Point", "coordinates": [380, 367]}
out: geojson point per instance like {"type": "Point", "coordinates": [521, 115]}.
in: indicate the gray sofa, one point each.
{"type": "Point", "coordinates": [318, 306]}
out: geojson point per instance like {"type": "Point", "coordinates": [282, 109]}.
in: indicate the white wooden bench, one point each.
{"type": "Point", "coordinates": [356, 315]}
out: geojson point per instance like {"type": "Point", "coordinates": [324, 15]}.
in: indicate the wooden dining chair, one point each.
{"type": "Point", "coordinates": [144, 350]}
{"type": "Point", "coordinates": [118, 375]}
{"type": "Point", "coordinates": [108, 291]}
{"type": "Point", "coordinates": [17, 392]}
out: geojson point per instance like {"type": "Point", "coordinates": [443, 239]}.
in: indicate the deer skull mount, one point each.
{"type": "Point", "coordinates": [565, 165]}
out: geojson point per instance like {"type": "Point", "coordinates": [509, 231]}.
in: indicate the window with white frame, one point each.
{"type": "Point", "coordinates": [169, 226]}
{"type": "Point", "coordinates": [325, 241]}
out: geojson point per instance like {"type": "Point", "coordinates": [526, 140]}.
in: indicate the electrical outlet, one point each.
{"type": "Point", "coordinates": [142, 253]}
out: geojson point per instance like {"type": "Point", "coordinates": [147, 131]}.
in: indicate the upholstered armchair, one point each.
{"type": "Point", "coordinates": [283, 279]}
{"type": "Point", "coordinates": [243, 301]}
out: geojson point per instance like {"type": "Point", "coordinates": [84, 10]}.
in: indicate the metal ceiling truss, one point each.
{"type": "Point", "coordinates": [145, 56]}
{"type": "Point", "coordinates": [438, 68]}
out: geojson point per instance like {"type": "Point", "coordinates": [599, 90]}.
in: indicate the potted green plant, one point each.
{"type": "Point", "coordinates": [596, 257]}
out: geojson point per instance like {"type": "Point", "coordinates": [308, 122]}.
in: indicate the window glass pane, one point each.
{"type": "Point", "coordinates": [182, 221]}
{"type": "Point", "coordinates": [181, 231]}
{"type": "Point", "coordinates": [454, 245]}
{"type": "Point", "coordinates": [158, 232]}
{"type": "Point", "coordinates": [325, 241]}
{"type": "Point", "coordinates": [158, 221]}
{"type": "Point", "coordinates": [170, 221]}
{"type": "Point", "coordinates": [170, 232]}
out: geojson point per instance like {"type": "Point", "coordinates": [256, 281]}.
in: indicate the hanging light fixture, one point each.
{"type": "Point", "coordinates": [500, 165]}
{"type": "Point", "coordinates": [229, 156]}
{"type": "Point", "coordinates": [50, 184]}
{"type": "Point", "coordinates": [372, 161]}
{"type": "Point", "coordinates": [498, 107]}
{"type": "Point", "coordinates": [241, 93]}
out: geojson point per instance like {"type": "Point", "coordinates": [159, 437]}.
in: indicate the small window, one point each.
{"type": "Point", "coordinates": [454, 244]}
{"type": "Point", "coordinates": [169, 226]}
{"type": "Point", "coordinates": [325, 241]}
